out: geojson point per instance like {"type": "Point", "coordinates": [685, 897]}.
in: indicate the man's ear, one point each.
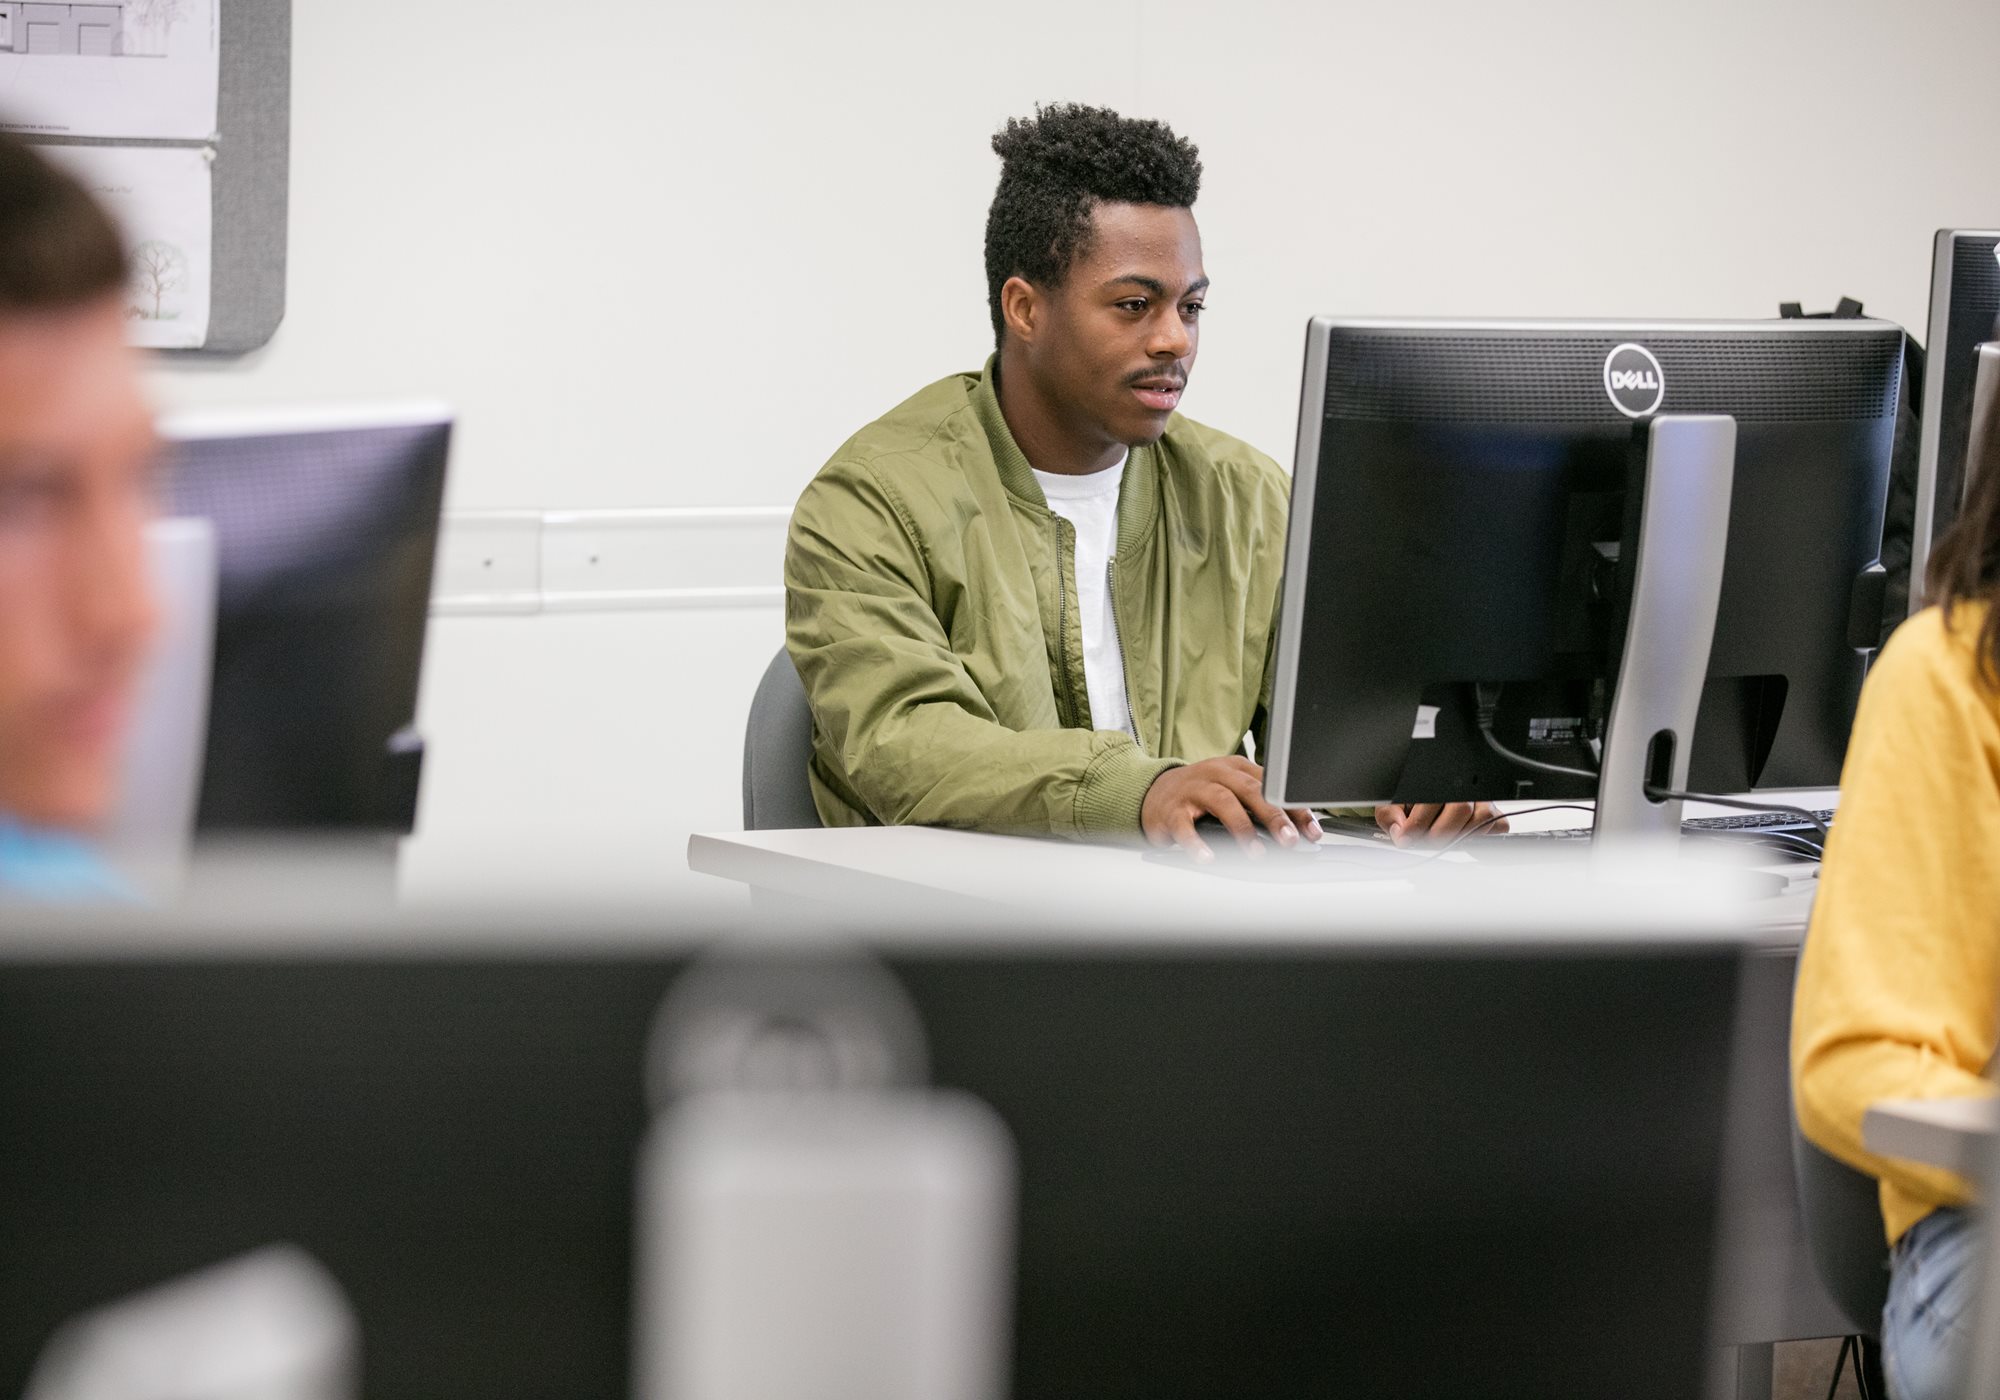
{"type": "Point", "coordinates": [1021, 309]}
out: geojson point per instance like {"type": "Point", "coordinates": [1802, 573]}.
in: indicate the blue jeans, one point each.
{"type": "Point", "coordinates": [1926, 1324]}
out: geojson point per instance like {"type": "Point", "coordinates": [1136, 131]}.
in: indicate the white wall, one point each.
{"type": "Point", "coordinates": [667, 254]}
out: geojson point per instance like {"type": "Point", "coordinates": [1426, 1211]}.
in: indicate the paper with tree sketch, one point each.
{"type": "Point", "coordinates": [128, 69]}
{"type": "Point", "coordinates": [160, 197]}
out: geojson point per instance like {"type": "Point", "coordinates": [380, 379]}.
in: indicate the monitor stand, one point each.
{"type": "Point", "coordinates": [1683, 535]}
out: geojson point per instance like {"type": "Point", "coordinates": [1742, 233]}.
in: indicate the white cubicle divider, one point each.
{"type": "Point", "coordinates": [160, 781]}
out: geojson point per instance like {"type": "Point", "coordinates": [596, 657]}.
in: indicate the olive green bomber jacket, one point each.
{"type": "Point", "coordinates": [930, 608]}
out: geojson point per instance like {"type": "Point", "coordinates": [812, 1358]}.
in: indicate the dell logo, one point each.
{"type": "Point", "coordinates": [1633, 379]}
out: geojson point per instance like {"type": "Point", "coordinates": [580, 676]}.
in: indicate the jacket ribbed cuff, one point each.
{"type": "Point", "coordinates": [1113, 791]}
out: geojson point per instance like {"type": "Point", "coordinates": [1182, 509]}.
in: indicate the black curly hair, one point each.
{"type": "Point", "coordinates": [1057, 166]}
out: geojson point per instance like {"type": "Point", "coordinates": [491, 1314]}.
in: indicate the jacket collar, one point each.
{"type": "Point", "coordinates": [1138, 493]}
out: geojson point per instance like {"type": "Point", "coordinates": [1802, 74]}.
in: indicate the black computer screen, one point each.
{"type": "Point", "coordinates": [326, 538]}
{"type": "Point", "coordinates": [1468, 516]}
{"type": "Point", "coordinates": [1965, 311]}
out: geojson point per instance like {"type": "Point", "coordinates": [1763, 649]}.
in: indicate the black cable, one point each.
{"type": "Point", "coordinates": [1840, 1366]}
{"type": "Point", "coordinates": [1788, 841]}
{"type": "Point", "coordinates": [1660, 794]}
{"type": "Point", "coordinates": [1486, 733]}
{"type": "Point", "coordinates": [1503, 816]}
{"type": "Point", "coordinates": [1485, 707]}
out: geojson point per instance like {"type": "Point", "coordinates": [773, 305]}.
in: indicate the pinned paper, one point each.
{"type": "Point", "coordinates": [125, 69]}
{"type": "Point", "coordinates": [160, 197]}
{"type": "Point", "coordinates": [1427, 723]}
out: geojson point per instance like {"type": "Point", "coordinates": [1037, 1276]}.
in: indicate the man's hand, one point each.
{"type": "Point", "coordinates": [1437, 821]}
{"type": "Point", "coordinates": [1229, 789]}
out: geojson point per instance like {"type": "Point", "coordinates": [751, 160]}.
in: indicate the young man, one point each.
{"type": "Point", "coordinates": [76, 453]}
{"type": "Point", "coordinates": [1036, 599]}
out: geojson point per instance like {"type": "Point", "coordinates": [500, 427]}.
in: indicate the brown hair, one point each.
{"type": "Point", "coordinates": [1965, 562]}
{"type": "Point", "coordinates": [58, 248]}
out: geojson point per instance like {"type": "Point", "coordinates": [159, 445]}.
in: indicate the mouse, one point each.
{"type": "Point", "coordinates": [1223, 841]}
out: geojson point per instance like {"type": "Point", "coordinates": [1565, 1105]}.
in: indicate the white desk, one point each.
{"type": "Point", "coordinates": [1769, 1290]}
{"type": "Point", "coordinates": [1951, 1133]}
{"type": "Point", "coordinates": [882, 869]}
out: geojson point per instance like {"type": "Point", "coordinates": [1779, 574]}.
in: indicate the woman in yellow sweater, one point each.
{"type": "Point", "coordinates": [1899, 986]}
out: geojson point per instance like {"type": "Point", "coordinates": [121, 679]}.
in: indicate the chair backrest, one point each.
{"type": "Point", "coordinates": [777, 750]}
{"type": "Point", "coordinates": [1842, 1212]}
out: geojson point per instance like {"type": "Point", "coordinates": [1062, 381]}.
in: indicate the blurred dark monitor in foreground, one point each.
{"type": "Point", "coordinates": [1399, 1168]}
{"type": "Point", "coordinates": [326, 526]}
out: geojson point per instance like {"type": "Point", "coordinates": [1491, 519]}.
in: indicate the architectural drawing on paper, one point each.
{"type": "Point", "coordinates": [158, 268]}
{"type": "Point", "coordinates": [94, 29]}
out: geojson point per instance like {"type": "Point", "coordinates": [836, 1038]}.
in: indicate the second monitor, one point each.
{"type": "Point", "coordinates": [1463, 550]}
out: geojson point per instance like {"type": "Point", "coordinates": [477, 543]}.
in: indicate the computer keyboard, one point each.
{"type": "Point", "coordinates": [1757, 821]}
{"type": "Point", "coordinates": [1781, 829]}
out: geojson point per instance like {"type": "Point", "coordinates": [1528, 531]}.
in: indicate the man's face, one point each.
{"type": "Point", "coordinates": [1112, 346]}
{"type": "Point", "coordinates": [76, 610]}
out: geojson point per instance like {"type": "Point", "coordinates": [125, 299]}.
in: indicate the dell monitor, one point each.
{"type": "Point", "coordinates": [325, 526]}
{"type": "Point", "coordinates": [1965, 313]}
{"type": "Point", "coordinates": [1464, 574]}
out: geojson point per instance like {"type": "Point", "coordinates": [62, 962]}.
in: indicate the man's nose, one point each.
{"type": "Point", "coordinates": [1170, 340]}
{"type": "Point", "coordinates": [115, 607]}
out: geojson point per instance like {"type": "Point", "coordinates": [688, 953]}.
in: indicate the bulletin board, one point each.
{"type": "Point", "coordinates": [250, 169]}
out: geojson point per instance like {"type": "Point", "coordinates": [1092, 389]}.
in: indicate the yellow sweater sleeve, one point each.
{"type": "Point", "coordinates": [1899, 985]}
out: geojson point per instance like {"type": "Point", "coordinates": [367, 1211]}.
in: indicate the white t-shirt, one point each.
{"type": "Point", "coordinates": [1090, 505]}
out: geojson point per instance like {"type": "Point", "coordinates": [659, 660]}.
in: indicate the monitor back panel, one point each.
{"type": "Point", "coordinates": [1462, 472]}
{"type": "Point", "coordinates": [1398, 1173]}
{"type": "Point", "coordinates": [1965, 309]}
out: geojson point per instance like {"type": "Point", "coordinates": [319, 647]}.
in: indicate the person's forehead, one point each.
{"type": "Point", "coordinates": [67, 371]}
{"type": "Point", "coordinates": [1144, 236]}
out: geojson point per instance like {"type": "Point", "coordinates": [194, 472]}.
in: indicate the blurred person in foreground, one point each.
{"type": "Point", "coordinates": [76, 466]}
{"type": "Point", "coordinates": [1899, 985]}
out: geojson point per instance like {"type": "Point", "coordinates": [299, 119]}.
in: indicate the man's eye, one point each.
{"type": "Point", "coordinates": [1133, 304]}
{"type": "Point", "coordinates": [1193, 308]}
{"type": "Point", "coordinates": [24, 498]}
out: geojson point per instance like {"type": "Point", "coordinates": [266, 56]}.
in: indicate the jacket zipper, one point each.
{"type": "Point", "coordinates": [1118, 636]}
{"type": "Point", "coordinates": [1062, 624]}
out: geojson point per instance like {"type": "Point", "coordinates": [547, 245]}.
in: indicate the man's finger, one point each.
{"type": "Point", "coordinates": [1389, 816]}
{"type": "Point", "coordinates": [1452, 818]}
{"type": "Point", "coordinates": [1224, 805]}
{"type": "Point", "coordinates": [1416, 822]}
{"type": "Point", "coordinates": [1488, 812]}
{"type": "Point", "coordinates": [1306, 822]}
{"type": "Point", "coordinates": [1181, 831]}
{"type": "Point", "coordinates": [1274, 819]}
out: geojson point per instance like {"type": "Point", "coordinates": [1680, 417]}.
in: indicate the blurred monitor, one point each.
{"type": "Point", "coordinates": [1465, 511]}
{"type": "Point", "coordinates": [1965, 313]}
{"type": "Point", "coordinates": [160, 774]}
{"type": "Point", "coordinates": [326, 528]}
{"type": "Point", "coordinates": [1415, 1164]}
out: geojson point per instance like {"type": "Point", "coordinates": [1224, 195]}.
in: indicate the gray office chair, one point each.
{"type": "Point", "coordinates": [1844, 1232]}
{"type": "Point", "coordinates": [777, 748]}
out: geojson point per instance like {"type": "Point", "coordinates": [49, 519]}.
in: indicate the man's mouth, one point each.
{"type": "Point", "coordinates": [1162, 395]}
{"type": "Point", "coordinates": [92, 718]}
